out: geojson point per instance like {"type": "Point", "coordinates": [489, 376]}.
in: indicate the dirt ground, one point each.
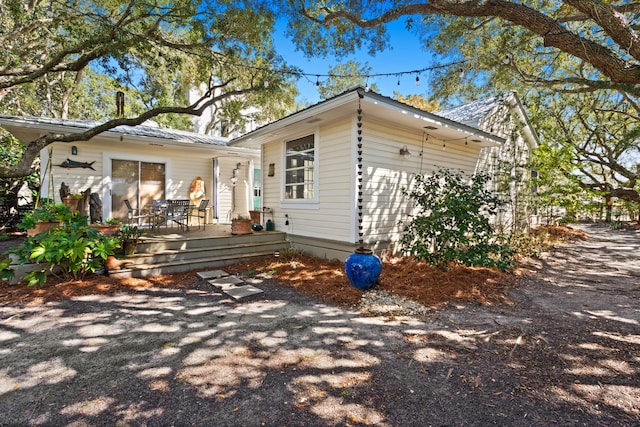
{"type": "Point", "coordinates": [556, 344]}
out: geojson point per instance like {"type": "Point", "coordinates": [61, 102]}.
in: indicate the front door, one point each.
{"type": "Point", "coordinates": [136, 181]}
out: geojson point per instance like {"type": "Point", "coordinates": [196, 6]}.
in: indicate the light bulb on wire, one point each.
{"type": "Point", "coordinates": [417, 80]}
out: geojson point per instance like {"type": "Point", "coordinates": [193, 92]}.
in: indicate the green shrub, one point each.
{"type": "Point", "coordinates": [47, 212]}
{"type": "Point", "coordinates": [72, 250]}
{"type": "Point", "coordinates": [453, 222]}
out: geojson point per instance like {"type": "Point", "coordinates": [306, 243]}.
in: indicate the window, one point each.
{"type": "Point", "coordinates": [534, 181]}
{"type": "Point", "coordinates": [299, 168]}
{"type": "Point", "coordinates": [137, 181]}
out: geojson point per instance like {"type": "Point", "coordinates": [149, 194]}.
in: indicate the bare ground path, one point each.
{"type": "Point", "coordinates": [567, 352]}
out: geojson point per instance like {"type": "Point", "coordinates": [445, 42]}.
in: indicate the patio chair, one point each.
{"type": "Point", "coordinates": [178, 212]}
{"type": "Point", "coordinates": [200, 212]}
{"type": "Point", "coordinates": [135, 214]}
{"type": "Point", "coordinates": [158, 213]}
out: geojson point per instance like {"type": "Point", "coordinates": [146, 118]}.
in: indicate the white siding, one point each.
{"type": "Point", "coordinates": [387, 173]}
{"type": "Point", "coordinates": [331, 217]}
{"type": "Point", "coordinates": [334, 217]}
{"type": "Point", "coordinates": [183, 164]}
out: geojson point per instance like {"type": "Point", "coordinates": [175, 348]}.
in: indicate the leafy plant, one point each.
{"type": "Point", "coordinates": [290, 254]}
{"type": "Point", "coordinates": [113, 221]}
{"type": "Point", "coordinates": [129, 236]}
{"type": "Point", "coordinates": [13, 197]}
{"type": "Point", "coordinates": [452, 224]}
{"type": "Point", "coordinates": [47, 212]}
{"type": "Point", "coordinates": [71, 251]}
{"type": "Point", "coordinates": [6, 273]}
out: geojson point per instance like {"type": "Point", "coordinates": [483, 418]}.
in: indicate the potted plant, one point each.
{"type": "Point", "coordinates": [72, 250]}
{"type": "Point", "coordinates": [108, 227]}
{"type": "Point", "coordinates": [72, 201]}
{"type": "Point", "coordinates": [45, 218]}
{"type": "Point", "coordinates": [241, 225]}
{"type": "Point", "coordinates": [129, 236]}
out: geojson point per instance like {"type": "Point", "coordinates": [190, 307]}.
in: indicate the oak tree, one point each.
{"type": "Point", "coordinates": [69, 53]}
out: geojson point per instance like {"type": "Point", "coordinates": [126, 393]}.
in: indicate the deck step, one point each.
{"type": "Point", "coordinates": [177, 255]}
{"type": "Point", "coordinates": [147, 270]}
{"type": "Point", "coordinates": [180, 253]}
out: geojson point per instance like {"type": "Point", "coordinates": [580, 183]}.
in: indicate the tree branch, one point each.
{"type": "Point", "coordinates": [24, 166]}
{"type": "Point", "coordinates": [605, 60]}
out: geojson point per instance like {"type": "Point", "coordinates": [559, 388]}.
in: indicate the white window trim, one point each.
{"type": "Point", "coordinates": [302, 203]}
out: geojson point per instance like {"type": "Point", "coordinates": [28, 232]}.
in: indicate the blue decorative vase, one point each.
{"type": "Point", "coordinates": [363, 268]}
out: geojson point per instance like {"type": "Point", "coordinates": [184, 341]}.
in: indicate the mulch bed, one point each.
{"type": "Point", "coordinates": [316, 277]}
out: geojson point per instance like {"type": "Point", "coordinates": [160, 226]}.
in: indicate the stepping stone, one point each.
{"type": "Point", "coordinates": [226, 282]}
{"type": "Point", "coordinates": [211, 274]}
{"type": "Point", "coordinates": [242, 291]}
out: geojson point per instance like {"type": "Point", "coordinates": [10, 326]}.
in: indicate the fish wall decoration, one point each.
{"type": "Point", "coordinates": [70, 164]}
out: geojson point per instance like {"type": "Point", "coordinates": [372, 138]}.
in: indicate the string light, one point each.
{"type": "Point", "coordinates": [296, 72]}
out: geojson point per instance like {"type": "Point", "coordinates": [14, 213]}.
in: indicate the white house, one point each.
{"type": "Point", "coordinates": [508, 165]}
{"type": "Point", "coordinates": [328, 193]}
{"type": "Point", "coordinates": [142, 163]}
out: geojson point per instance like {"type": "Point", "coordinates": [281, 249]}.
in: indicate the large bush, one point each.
{"type": "Point", "coordinates": [452, 223]}
{"type": "Point", "coordinates": [72, 250]}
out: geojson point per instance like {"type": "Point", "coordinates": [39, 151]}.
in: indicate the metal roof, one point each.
{"type": "Point", "coordinates": [140, 130]}
{"type": "Point", "coordinates": [379, 106]}
{"type": "Point", "coordinates": [473, 113]}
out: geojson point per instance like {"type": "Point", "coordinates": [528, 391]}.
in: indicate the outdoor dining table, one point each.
{"type": "Point", "coordinates": [176, 210]}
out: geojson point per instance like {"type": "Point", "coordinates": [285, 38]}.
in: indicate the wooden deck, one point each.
{"type": "Point", "coordinates": [172, 250]}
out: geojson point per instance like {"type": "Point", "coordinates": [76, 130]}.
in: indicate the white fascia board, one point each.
{"type": "Point", "coordinates": [530, 133]}
{"type": "Point", "coordinates": [295, 118]}
{"type": "Point", "coordinates": [434, 119]}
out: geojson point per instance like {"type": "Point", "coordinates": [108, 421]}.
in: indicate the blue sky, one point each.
{"type": "Point", "coordinates": [406, 54]}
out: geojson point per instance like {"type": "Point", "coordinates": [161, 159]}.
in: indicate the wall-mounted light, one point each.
{"type": "Point", "coordinates": [404, 152]}
{"type": "Point", "coordinates": [74, 150]}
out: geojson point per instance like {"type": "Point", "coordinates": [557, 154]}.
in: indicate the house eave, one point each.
{"type": "Point", "coordinates": [120, 135]}
{"type": "Point", "coordinates": [408, 115]}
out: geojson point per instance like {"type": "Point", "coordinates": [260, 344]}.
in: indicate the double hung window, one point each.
{"type": "Point", "coordinates": [300, 163]}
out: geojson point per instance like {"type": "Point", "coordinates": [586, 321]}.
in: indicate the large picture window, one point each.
{"type": "Point", "coordinates": [299, 168]}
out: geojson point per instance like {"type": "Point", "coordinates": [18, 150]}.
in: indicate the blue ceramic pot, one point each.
{"type": "Point", "coordinates": [363, 268]}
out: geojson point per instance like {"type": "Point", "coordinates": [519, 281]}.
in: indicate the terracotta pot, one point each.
{"type": "Point", "coordinates": [72, 203]}
{"type": "Point", "coordinates": [106, 229]}
{"type": "Point", "coordinates": [240, 226]}
{"type": "Point", "coordinates": [42, 226]}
